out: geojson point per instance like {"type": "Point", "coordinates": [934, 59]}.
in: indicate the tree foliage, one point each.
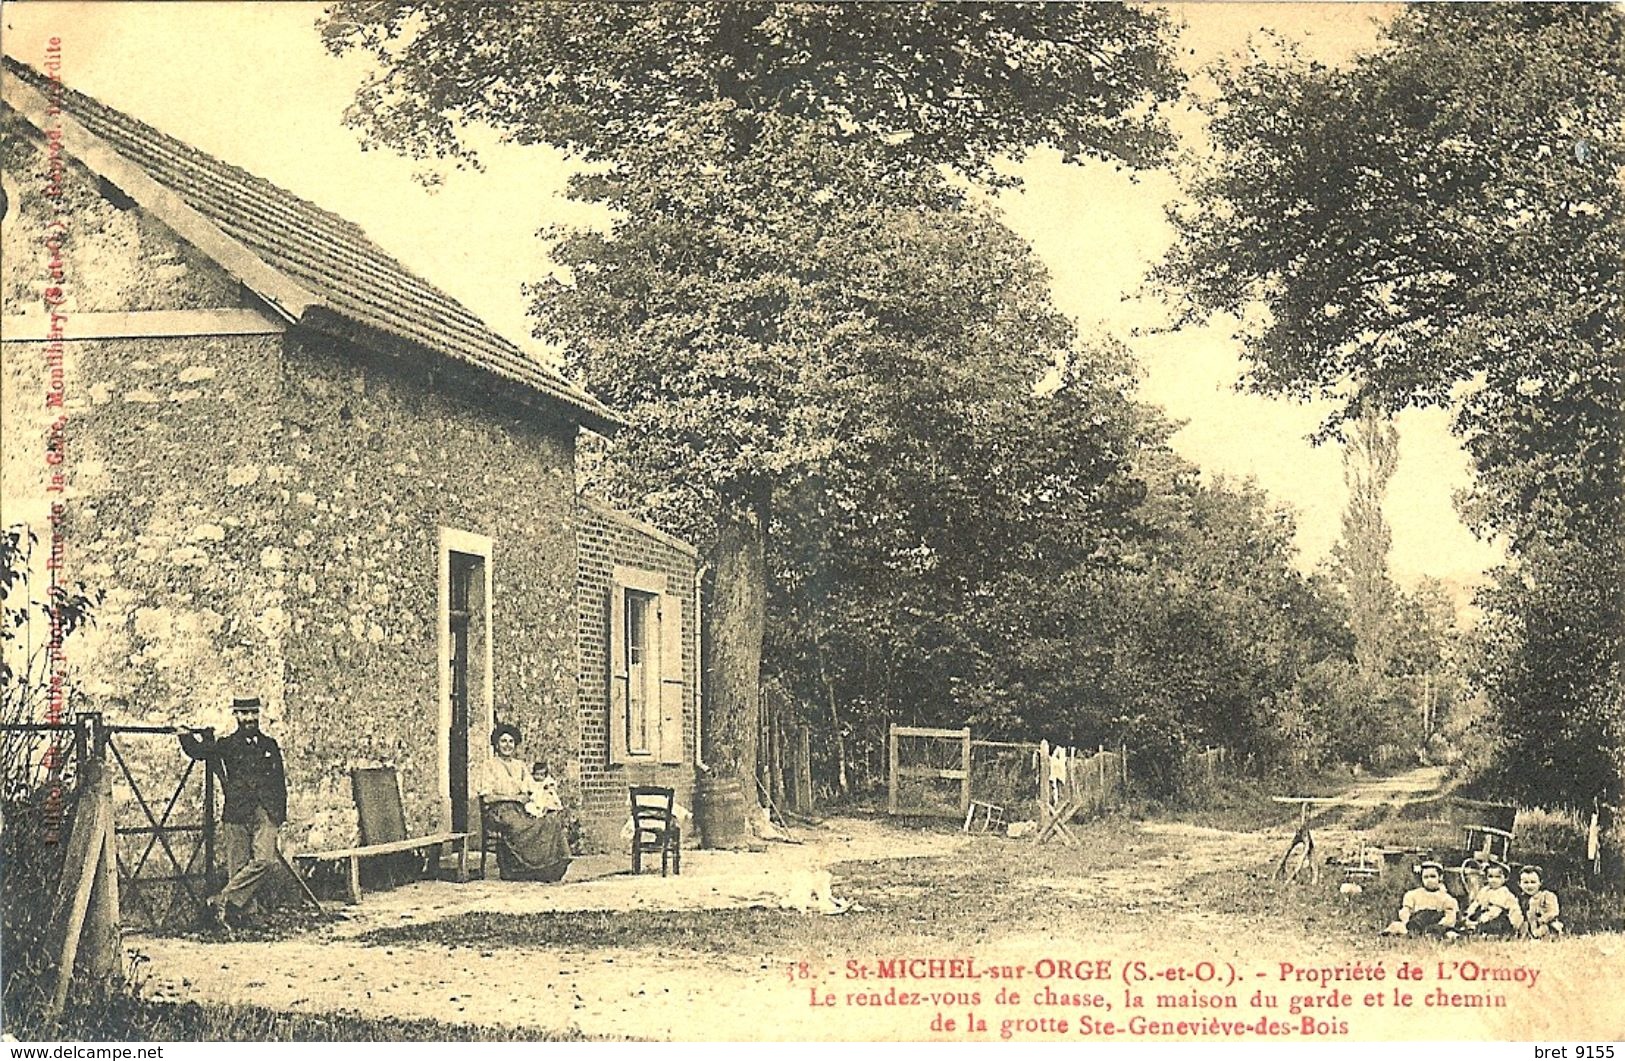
{"type": "Point", "coordinates": [844, 377]}
{"type": "Point", "coordinates": [1441, 222]}
{"type": "Point", "coordinates": [734, 141]}
{"type": "Point", "coordinates": [750, 151]}
{"type": "Point", "coordinates": [869, 375]}
{"type": "Point", "coordinates": [926, 84]}
{"type": "Point", "coordinates": [1178, 621]}
{"type": "Point", "coordinates": [36, 773]}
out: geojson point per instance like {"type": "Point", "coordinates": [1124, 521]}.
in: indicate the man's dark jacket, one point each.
{"type": "Point", "coordinates": [251, 765]}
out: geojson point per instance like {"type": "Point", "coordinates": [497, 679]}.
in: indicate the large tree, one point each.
{"type": "Point", "coordinates": [731, 139]}
{"type": "Point", "coordinates": [1441, 222]}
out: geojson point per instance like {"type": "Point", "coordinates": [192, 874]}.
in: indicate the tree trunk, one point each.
{"type": "Point", "coordinates": [735, 621]}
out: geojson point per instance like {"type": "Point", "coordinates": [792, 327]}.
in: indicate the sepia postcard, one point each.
{"type": "Point", "coordinates": [868, 522]}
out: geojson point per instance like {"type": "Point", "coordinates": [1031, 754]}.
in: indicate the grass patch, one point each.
{"type": "Point", "coordinates": [1590, 903]}
{"type": "Point", "coordinates": [1318, 910]}
{"type": "Point", "coordinates": [118, 1017]}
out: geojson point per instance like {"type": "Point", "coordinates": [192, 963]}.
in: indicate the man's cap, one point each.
{"type": "Point", "coordinates": [245, 703]}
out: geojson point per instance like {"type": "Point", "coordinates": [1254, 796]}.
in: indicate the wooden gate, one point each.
{"type": "Point", "coordinates": [163, 808]}
{"type": "Point", "coordinates": [919, 760]}
{"type": "Point", "coordinates": [165, 823]}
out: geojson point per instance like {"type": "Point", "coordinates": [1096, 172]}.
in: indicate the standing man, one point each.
{"type": "Point", "coordinates": [250, 764]}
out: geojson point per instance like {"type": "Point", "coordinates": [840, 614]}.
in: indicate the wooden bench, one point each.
{"type": "Point", "coordinates": [308, 861]}
{"type": "Point", "coordinates": [383, 830]}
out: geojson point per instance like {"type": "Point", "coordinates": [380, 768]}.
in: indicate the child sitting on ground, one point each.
{"type": "Point", "coordinates": [1428, 910]}
{"type": "Point", "coordinates": [1539, 906]}
{"type": "Point", "coordinates": [1494, 911]}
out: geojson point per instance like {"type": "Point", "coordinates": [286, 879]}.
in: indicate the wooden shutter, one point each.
{"type": "Point", "coordinates": [618, 677]}
{"type": "Point", "coordinates": [671, 678]}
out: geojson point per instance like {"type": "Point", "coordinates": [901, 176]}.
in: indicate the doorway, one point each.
{"type": "Point", "coordinates": [465, 673]}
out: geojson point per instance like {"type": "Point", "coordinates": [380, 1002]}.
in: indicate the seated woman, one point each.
{"type": "Point", "coordinates": [532, 846]}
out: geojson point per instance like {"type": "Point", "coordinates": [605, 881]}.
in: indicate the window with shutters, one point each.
{"type": "Point", "coordinates": [646, 669]}
{"type": "Point", "coordinates": [640, 608]}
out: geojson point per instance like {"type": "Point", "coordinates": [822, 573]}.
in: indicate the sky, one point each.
{"type": "Point", "coordinates": [251, 84]}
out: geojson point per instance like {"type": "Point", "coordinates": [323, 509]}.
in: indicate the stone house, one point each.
{"type": "Point", "coordinates": [298, 469]}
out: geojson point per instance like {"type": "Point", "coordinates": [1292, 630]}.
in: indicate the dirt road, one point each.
{"type": "Point", "coordinates": [1135, 892]}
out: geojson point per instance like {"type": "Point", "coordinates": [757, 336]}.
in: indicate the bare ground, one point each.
{"type": "Point", "coordinates": [713, 955]}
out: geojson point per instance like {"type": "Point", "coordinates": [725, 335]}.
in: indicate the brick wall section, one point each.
{"type": "Point", "coordinates": [604, 539]}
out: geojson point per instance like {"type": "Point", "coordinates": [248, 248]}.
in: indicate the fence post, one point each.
{"type": "Point", "coordinates": [891, 769]}
{"type": "Point", "coordinates": [209, 878]}
{"type": "Point", "coordinates": [83, 871]}
{"type": "Point", "coordinates": [102, 949]}
{"type": "Point", "coordinates": [803, 757]}
{"type": "Point", "coordinates": [1044, 812]}
{"type": "Point", "coordinates": [87, 737]}
{"type": "Point", "coordinates": [101, 940]}
{"type": "Point", "coordinates": [964, 766]}
{"type": "Point", "coordinates": [777, 789]}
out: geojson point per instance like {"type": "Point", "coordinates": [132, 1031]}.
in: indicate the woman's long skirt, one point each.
{"type": "Point", "coordinates": [532, 848]}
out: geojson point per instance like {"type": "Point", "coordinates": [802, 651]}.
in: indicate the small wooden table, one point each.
{"type": "Point", "coordinates": [308, 860]}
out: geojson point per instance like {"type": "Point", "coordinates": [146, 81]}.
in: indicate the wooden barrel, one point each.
{"type": "Point", "coordinates": [719, 812]}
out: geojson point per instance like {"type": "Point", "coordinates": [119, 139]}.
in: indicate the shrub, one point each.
{"type": "Point", "coordinates": [37, 780]}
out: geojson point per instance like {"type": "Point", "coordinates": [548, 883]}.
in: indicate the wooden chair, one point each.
{"type": "Point", "coordinates": [1486, 842]}
{"type": "Point", "coordinates": [377, 794]}
{"type": "Point", "coordinates": [488, 840]}
{"type": "Point", "coordinates": [991, 817]}
{"type": "Point", "coordinates": [654, 828]}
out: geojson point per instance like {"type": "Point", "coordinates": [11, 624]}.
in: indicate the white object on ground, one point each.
{"type": "Point", "coordinates": [812, 891]}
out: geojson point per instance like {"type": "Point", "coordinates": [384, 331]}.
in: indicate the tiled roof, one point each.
{"type": "Point", "coordinates": [326, 255]}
